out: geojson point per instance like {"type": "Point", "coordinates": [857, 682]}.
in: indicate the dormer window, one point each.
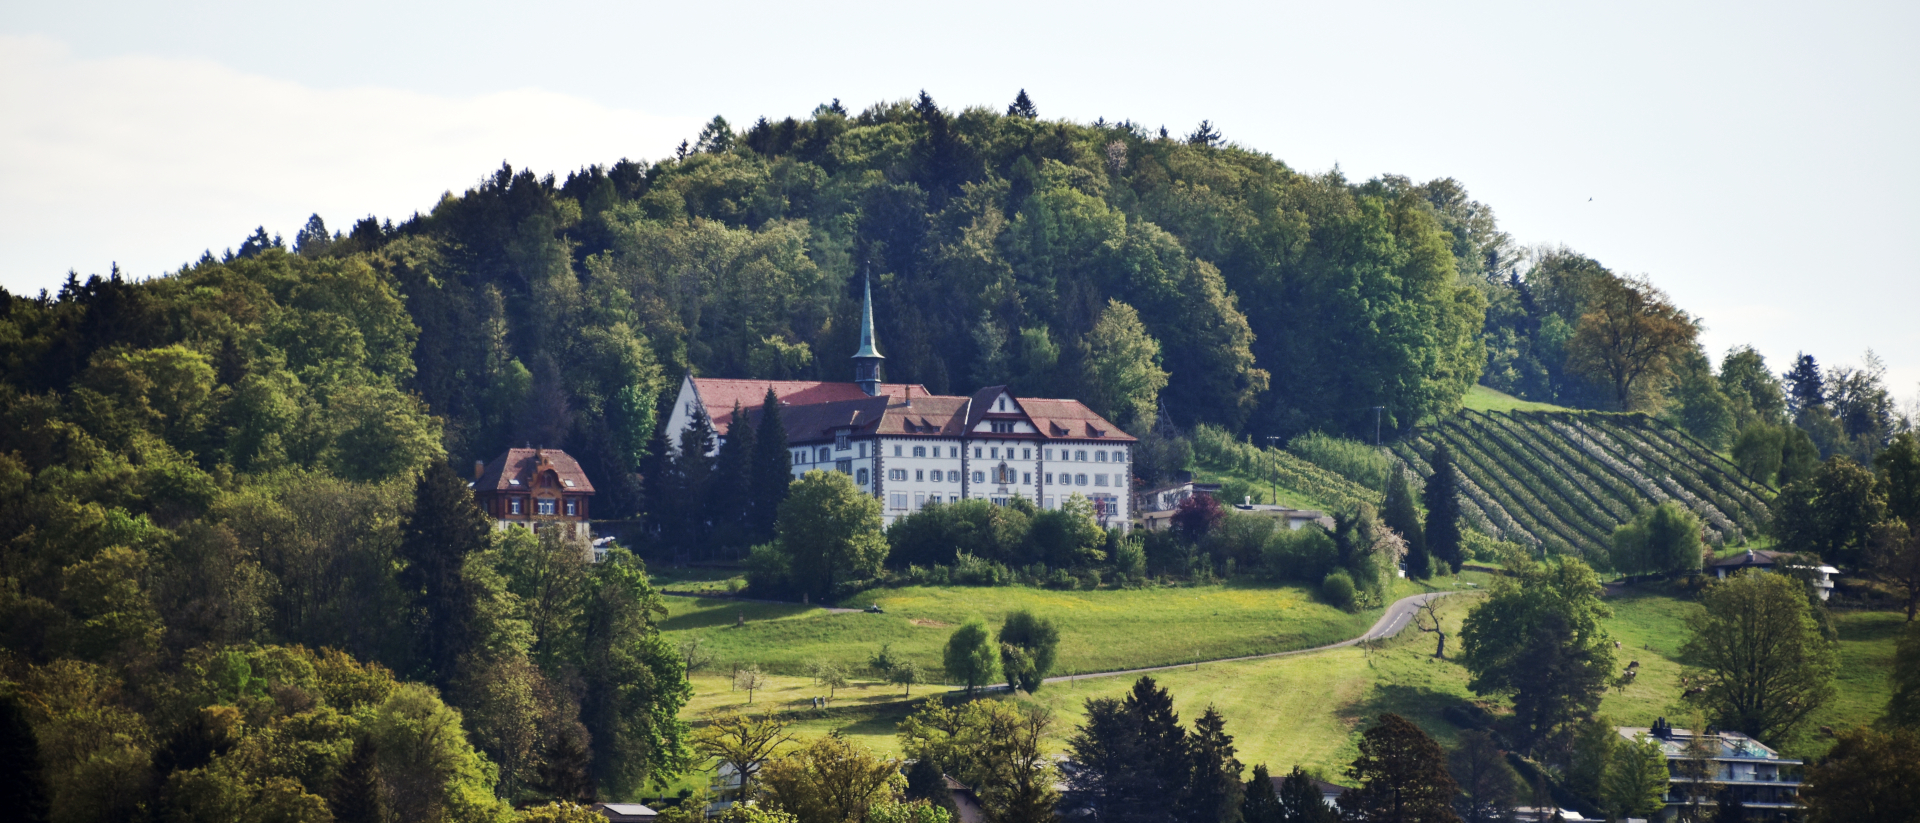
{"type": "Point", "coordinates": [567, 483]}
{"type": "Point", "coordinates": [1002, 426]}
{"type": "Point", "coordinates": [842, 442]}
{"type": "Point", "coordinates": [513, 481]}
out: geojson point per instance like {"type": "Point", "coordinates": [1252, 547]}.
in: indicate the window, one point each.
{"type": "Point", "coordinates": [953, 451]}
{"type": "Point", "coordinates": [1001, 426]}
{"type": "Point", "coordinates": [896, 474]}
{"type": "Point", "coordinates": [1026, 454]}
{"type": "Point", "coordinates": [993, 453]}
{"type": "Point", "coordinates": [977, 452]}
{"type": "Point", "coordinates": [824, 456]}
{"type": "Point", "coordinates": [841, 442]}
{"type": "Point", "coordinates": [1048, 479]}
{"type": "Point", "coordinates": [920, 500]}
{"type": "Point", "coordinates": [897, 500]}
{"type": "Point", "coordinates": [953, 477]}
{"type": "Point", "coordinates": [843, 466]}
{"type": "Point", "coordinates": [1119, 457]}
{"type": "Point", "coordinates": [1079, 480]}
{"type": "Point", "coordinates": [861, 477]}
{"type": "Point", "coordinates": [573, 508]}
{"type": "Point", "coordinates": [1100, 457]}
{"type": "Point", "coordinates": [896, 451]}
{"type": "Point", "coordinates": [797, 457]}
{"type": "Point", "coordinates": [513, 506]}
{"type": "Point", "coordinates": [863, 449]}
{"type": "Point", "coordinates": [919, 451]}
{"type": "Point", "coordinates": [1047, 454]}
{"type": "Point", "coordinates": [1049, 503]}
{"type": "Point", "coordinates": [1026, 478]}
{"type": "Point", "coordinates": [1099, 480]}
{"type": "Point", "coordinates": [979, 477]}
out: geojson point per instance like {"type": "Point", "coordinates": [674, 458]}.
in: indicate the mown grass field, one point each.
{"type": "Point", "coordinates": [1481, 398]}
{"type": "Point", "coordinates": [1309, 709]}
{"type": "Point", "coordinates": [1101, 630]}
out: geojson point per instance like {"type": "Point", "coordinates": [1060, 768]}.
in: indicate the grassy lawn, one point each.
{"type": "Point", "coordinates": [1101, 630]}
{"type": "Point", "coordinates": [1306, 709]}
{"type": "Point", "coordinates": [1652, 628]}
{"type": "Point", "coordinates": [1481, 398]}
{"type": "Point", "coordinates": [1274, 494]}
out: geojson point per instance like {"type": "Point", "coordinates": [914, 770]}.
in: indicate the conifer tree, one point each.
{"type": "Point", "coordinates": [658, 484]}
{"type": "Point", "coordinates": [772, 468]}
{"type": "Point", "coordinates": [357, 796]}
{"type": "Point", "coordinates": [1402, 517]}
{"type": "Point", "coordinates": [567, 773]}
{"type": "Point", "coordinates": [1301, 801]}
{"type": "Point", "coordinates": [444, 528]}
{"type": "Point", "coordinates": [731, 492]}
{"type": "Point", "coordinates": [1216, 791]}
{"type": "Point", "coordinates": [1443, 510]}
{"type": "Point", "coordinates": [1023, 107]}
{"type": "Point", "coordinates": [693, 479]}
{"type": "Point", "coordinates": [1261, 804]}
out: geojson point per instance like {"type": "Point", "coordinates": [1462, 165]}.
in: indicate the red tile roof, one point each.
{"type": "Point", "coordinates": [520, 464]}
{"type": "Point", "coordinates": [1070, 418]}
{"type": "Point", "coordinates": [718, 395]}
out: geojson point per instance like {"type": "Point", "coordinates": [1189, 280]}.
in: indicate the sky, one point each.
{"type": "Point", "coordinates": [1756, 160]}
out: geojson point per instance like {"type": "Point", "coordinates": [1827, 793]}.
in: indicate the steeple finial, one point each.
{"type": "Point", "coordinates": [866, 361]}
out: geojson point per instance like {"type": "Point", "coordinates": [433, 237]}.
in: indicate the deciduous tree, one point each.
{"type": "Point", "coordinates": [1027, 645]}
{"type": "Point", "coordinates": [1538, 638]}
{"type": "Point", "coordinates": [1867, 775]}
{"type": "Point", "coordinates": [971, 656]}
{"type": "Point", "coordinates": [1403, 777]}
{"type": "Point", "coordinates": [1628, 337]}
{"type": "Point", "coordinates": [1761, 662]}
{"type": "Point", "coordinates": [829, 534]}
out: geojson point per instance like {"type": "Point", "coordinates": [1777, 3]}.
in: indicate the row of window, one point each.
{"type": "Point", "coordinates": [825, 455]}
{"type": "Point", "coordinates": [1002, 476]}
{"type": "Point", "coordinates": [544, 505]}
{"type": "Point", "coordinates": [1104, 505]}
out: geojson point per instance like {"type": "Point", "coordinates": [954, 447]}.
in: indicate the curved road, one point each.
{"type": "Point", "coordinates": [1397, 617]}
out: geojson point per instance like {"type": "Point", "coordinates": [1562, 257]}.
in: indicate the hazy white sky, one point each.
{"type": "Point", "coordinates": [1757, 160]}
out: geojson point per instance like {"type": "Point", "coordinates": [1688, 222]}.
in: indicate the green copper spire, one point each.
{"type": "Point", "coordinates": [866, 361]}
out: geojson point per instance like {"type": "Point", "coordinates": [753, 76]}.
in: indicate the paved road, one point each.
{"type": "Point", "coordinates": [1397, 617]}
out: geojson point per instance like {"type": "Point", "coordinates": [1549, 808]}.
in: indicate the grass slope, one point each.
{"type": "Point", "coordinates": [1101, 630]}
{"type": "Point", "coordinates": [1309, 709]}
{"type": "Point", "coordinates": [1481, 398]}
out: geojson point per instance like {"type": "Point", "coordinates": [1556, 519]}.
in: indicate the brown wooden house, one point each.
{"type": "Point", "coordinates": [536, 488]}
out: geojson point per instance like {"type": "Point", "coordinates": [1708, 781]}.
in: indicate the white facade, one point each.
{"type": "Point", "coordinates": [909, 473]}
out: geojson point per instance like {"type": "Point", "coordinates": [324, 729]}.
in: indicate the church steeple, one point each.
{"type": "Point", "coordinates": [866, 361]}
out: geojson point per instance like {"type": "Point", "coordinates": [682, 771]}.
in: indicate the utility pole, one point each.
{"type": "Point", "coordinates": [1376, 425]}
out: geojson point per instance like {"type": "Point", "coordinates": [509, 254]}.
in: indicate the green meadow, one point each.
{"type": "Point", "coordinates": [1101, 630]}
{"type": "Point", "coordinates": [1307, 709]}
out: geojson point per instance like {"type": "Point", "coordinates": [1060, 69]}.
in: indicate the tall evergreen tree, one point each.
{"type": "Point", "coordinates": [1806, 389]}
{"type": "Point", "coordinates": [1023, 107]}
{"type": "Point", "coordinates": [567, 773]}
{"type": "Point", "coordinates": [1216, 791]}
{"type": "Point", "coordinates": [1403, 777]}
{"type": "Point", "coordinates": [772, 468]}
{"type": "Point", "coordinates": [1259, 802]}
{"type": "Point", "coordinates": [731, 493]}
{"type": "Point", "coordinates": [1443, 510]}
{"type": "Point", "coordinates": [22, 790]}
{"type": "Point", "coordinates": [1134, 758]}
{"type": "Point", "coordinates": [443, 530]}
{"type": "Point", "coordinates": [357, 795]}
{"type": "Point", "coordinates": [693, 475]}
{"type": "Point", "coordinates": [1301, 801]}
{"type": "Point", "coordinates": [1401, 516]}
{"type": "Point", "coordinates": [658, 484]}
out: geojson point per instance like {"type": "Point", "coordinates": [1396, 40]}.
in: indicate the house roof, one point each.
{"type": "Point", "coordinates": [1751, 557]}
{"type": "Point", "coordinates": [718, 395]}
{"type": "Point", "coordinates": [1071, 418]}
{"type": "Point", "coordinates": [514, 471]}
{"type": "Point", "coordinates": [625, 812]}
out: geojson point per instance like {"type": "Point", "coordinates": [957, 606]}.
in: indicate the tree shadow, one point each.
{"type": "Point", "coordinates": [1427, 708]}
{"type": "Point", "coordinates": [722, 611]}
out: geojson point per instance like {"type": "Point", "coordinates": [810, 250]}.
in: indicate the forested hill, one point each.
{"type": "Point", "coordinates": [557, 311]}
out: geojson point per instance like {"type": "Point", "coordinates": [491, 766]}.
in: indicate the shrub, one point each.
{"type": "Point", "coordinates": [1303, 555]}
{"type": "Point", "coordinates": [1338, 589]}
{"type": "Point", "coordinates": [1351, 459]}
{"type": "Point", "coordinates": [1239, 538]}
{"type": "Point", "coordinates": [1130, 560]}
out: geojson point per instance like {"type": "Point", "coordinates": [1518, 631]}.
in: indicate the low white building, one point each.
{"type": "Point", "coordinates": [1768, 560]}
{"type": "Point", "coordinates": [911, 449]}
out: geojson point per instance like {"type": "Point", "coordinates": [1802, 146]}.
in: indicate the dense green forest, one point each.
{"type": "Point", "coordinates": [239, 571]}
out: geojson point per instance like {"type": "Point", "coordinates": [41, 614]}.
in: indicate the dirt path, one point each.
{"type": "Point", "coordinates": [1397, 617]}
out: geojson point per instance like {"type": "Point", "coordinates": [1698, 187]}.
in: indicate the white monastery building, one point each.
{"type": "Point", "coordinates": [910, 448]}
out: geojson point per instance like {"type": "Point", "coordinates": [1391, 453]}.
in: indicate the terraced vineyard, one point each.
{"type": "Point", "coordinates": [1564, 480]}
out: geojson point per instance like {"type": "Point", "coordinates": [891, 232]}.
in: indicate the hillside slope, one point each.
{"type": "Point", "coordinates": [1564, 480]}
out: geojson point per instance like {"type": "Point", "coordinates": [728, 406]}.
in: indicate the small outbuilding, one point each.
{"type": "Point", "coordinates": [626, 812]}
{"type": "Point", "coordinates": [1770, 561]}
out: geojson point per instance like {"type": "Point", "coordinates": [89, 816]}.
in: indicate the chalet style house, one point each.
{"type": "Point", "coordinates": [911, 448]}
{"type": "Point", "coordinates": [536, 488]}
